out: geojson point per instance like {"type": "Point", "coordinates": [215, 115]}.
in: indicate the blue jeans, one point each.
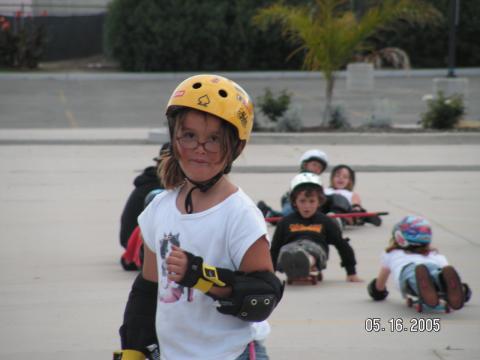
{"type": "Point", "coordinates": [407, 276]}
{"type": "Point", "coordinates": [287, 208]}
{"type": "Point", "coordinates": [260, 352]}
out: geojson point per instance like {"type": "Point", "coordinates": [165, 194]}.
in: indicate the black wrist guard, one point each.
{"type": "Point", "coordinates": [202, 276]}
{"type": "Point", "coordinates": [376, 294]}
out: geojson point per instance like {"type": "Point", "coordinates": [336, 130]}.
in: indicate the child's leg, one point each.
{"type": "Point", "coordinates": [294, 260]}
{"type": "Point", "coordinates": [317, 252]}
{"type": "Point", "coordinates": [452, 287]}
{"type": "Point", "coordinates": [427, 290]}
{"type": "Point", "coordinates": [415, 279]}
{"type": "Point", "coordinates": [287, 209]}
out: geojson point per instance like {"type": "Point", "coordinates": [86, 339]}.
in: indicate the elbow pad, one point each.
{"type": "Point", "coordinates": [254, 296]}
{"type": "Point", "coordinates": [467, 292]}
{"type": "Point", "coordinates": [376, 294]}
{"type": "Point", "coordinates": [138, 329]}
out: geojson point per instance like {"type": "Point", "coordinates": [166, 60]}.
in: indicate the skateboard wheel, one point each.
{"type": "Point", "coordinates": [447, 309]}
{"type": "Point", "coordinates": [314, 280]}
{"type": "Point", "coordinates": [419, 307]}
{"type": "Point", "coordinates": [320, 276]}
{"type": "Point", "coordinates": [409, 302]}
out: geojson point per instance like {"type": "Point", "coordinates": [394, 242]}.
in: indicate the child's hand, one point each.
{"type": "Point", "coordinates": [177, 262]}
{"type": "Point", "coordinates": [353, 278]}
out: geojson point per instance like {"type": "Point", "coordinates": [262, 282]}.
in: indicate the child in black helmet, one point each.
{"type": "Point", "coordinates": [301, 240]}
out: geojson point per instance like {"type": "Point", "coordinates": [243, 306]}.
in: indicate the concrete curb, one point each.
{"type": "Point", "coordinates": [77, 75]}
{"type": "Point", "coordinates": [144, 136]}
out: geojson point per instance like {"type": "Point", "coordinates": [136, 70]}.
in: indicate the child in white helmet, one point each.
{"type": "Point", "coordinates": [314, 161]}
{"type": "Point", "coordinates": [205, 240]}
{"type": "Point", "coordinates": [417, 269]}
{"type": "Point", "coordinates": [301, 240]}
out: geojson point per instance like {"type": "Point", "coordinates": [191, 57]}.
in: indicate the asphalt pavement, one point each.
{"type": "Point", "coordinates": [63, 291]}
{"type": "Point", "coordinates": [62, 189]}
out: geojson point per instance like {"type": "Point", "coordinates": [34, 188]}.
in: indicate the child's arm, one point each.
{"type": "Point", "coordinates": [356, 199]}
{"type": "Point", "coordinates": [353, 278]}
{"type": "Point", "coordinates": [377, 288]}
{"type": "Point", "coordinates": [277, 243]}
{"type": "Point", "coordinates": [345, 251]}
{"type": "Point", "coordinates": [381, 283]}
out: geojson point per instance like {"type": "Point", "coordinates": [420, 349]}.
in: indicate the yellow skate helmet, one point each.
{"type": "Point", "coordinates": [218, 96]}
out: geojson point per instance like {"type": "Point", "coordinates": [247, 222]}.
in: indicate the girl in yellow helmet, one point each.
{"type": "Point", "coordinates": [205, 218]}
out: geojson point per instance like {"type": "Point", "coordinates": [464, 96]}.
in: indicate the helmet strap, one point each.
{"type": "Point", "coordinates": [203, 186]}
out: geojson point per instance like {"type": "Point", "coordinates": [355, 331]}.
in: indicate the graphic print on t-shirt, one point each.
{"type": "Point", "coordinates": [170, 291]}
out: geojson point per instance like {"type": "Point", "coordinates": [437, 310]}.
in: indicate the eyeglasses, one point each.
{"type": "Point", "coordinates": [190, 141]}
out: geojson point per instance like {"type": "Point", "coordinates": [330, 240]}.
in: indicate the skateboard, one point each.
{"type": "Point", "coordinates": [313, 278]}
{"type": "Point", "coordinates": [275, 219]}
{"type": "Point", "coordinates": [414, 301]}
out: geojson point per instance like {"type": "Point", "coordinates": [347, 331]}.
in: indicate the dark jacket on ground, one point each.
{"type": "Point", "coordinates": [144, 183]}
{"type": "Point", "coordinates": [320, 229]}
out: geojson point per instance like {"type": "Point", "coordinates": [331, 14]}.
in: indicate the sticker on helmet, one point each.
{"type": "Point", "coordinates": [179, 93]}
{"type": "Point", "coordinates": [215, 80]}
{"type": "Point", "coordinates": [242, 116]}
{"type": "Point", "coordinates": [204, 100]}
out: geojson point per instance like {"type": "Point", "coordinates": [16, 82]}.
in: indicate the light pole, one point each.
{"type": "Point", "coordinates": [454, 14]}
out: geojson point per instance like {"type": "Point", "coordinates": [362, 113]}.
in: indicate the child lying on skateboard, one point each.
{"type": "Point", "coordinates": [301, 240]}
{"type": "Point", "coordinates": [420, 272]}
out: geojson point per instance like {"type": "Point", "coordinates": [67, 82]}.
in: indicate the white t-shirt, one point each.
{"type": "Point", "coordinates": [395, 261]}
{"type": "Point", "coordinates": [187, 322]}
{"type": "Point", "coordinates": [344, 192]}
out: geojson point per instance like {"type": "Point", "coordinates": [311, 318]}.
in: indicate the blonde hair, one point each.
{"type": "Point", "coordinates": [170, 171]}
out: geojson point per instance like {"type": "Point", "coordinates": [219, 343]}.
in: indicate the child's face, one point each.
{"type": "Point", "coordinates": [200, 130]}
{"type": "Point", "coordinates": [341, 179]}
{"type": "Point", "coordinates": [314, 166]}
{"type": "Point", "coordinates": [306, 205]}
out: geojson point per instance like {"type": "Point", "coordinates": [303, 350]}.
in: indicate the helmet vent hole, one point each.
{"type": "Point", "coordinates": [197, 85]}
{"type": "Point", "coordinates": [222, 93]}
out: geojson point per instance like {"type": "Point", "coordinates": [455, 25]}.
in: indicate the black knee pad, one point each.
{"type": "Point", "coordinates": [138, 329]}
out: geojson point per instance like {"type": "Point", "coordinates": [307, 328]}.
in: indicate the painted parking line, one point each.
{"type": "Point", "coordinates": [72, 121]}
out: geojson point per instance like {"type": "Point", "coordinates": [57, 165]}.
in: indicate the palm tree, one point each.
{"type": "Point", "coordinates": [331, 34]}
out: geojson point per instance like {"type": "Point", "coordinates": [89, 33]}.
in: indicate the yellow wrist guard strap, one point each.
{"type": "Point", "coordinates": [128, 355]}
{"type": "Point", "coordinates": [203, 285]}
{"type": "Point", "coordinates": [211, 274]}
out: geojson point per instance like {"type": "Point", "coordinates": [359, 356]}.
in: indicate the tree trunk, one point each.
{"type": "Point", "coordinates": [328, 98]}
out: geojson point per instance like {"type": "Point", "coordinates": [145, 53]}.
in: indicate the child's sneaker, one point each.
{"type": "Point", "coordinates": [427, 291]}
{"type": "Point", "coordinates": [374, 220]}
{"type": "Point", "coordinates": [295, 264]}
{"type": "Point", "coordinates": [453, 288]}
{"type": "Point", "coordinates": [264, 208]}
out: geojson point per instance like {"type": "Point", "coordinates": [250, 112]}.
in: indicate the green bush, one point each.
{"type": "Point", "coordinates": [338, 118]}
{"type": "Point", "coordinates": [191, 35]}
{"type": "Point", "coordinates": [443, 112]}
{"type": "Point", "coordinates": [274, 106]}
